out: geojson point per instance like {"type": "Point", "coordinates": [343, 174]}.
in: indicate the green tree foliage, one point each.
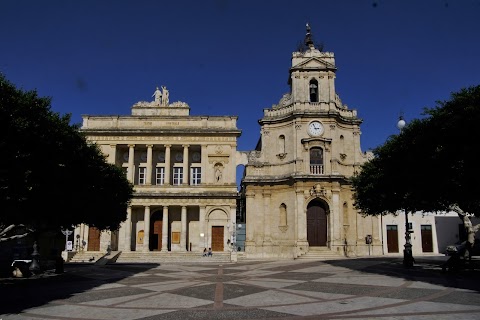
{"type": "Point", "coordinates": [430, 166]}
{"type": "Point", "coordinates": [50, 176]}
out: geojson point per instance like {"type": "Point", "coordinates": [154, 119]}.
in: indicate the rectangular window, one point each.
{"type": "Point", "coordinates": [160, 176]}
{"type": "Point", "coordinates": [177, 176]}
{"type": "Point", "coordinates": [196, 176]}
{"type": "Point", "coordinates": [125, 171]}
{"type": "Point", "coordinates": [142, 174]}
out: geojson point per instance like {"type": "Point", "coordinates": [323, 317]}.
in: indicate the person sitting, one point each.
{"type": "Point", "coordinates": [204, 252]}
{"type": "Point", "coordinates": [209, 252]}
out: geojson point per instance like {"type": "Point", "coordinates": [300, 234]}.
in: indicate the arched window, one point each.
{"type": "Point", "coordinates": [283, 215]}
{"type": "Point", "coordinates": [313, 89]}
{"type": "Point", "coordinates": [316, 161]}
{"type": "Point", "coordinates": [281, 144]}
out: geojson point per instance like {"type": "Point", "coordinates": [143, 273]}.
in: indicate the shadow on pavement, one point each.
{"type": "Point", "coordinates": [425, 269]}
{"type": "Point", "coordinates": [19, 294]}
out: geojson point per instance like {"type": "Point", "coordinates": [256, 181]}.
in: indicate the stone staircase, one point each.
{"type": "Point", "coordinates": [165, 257]}
{"type": "Point", "coordinates": [86, 256]}
{"type": "Point", "coordinates": [320, 253]}
{"type": "Point", "coordinates": [149, 257]}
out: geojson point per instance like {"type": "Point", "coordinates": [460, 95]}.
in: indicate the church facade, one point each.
{"type": "Point", "coordinates": [296, 185]}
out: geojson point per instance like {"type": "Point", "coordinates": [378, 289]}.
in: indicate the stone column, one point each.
{"type": "Point", "coordinates": [250, 224]}
{"type": "Point", "coordinates": [149, 164]}
{"type": "Point", "coordinates": [301, 217]}
{"type": "Point", "coordinates": [267, 217]}
{"type": "Point", "coordinates": [128, 230]}
{"type": "Point", "coordinates": [113, 154]}
{"type": "Point", "coordinates": [202, 227]}
{"type": "Point", "coordinates": [183, 234]}
{"type": "Point", "coordinates": [233, 219]}
{"type": "Point", "coordinates": [146, 229]}
{"type": "Point", "coordinates": [167, 164]}
{"type": "Point", "coordinates": [131, 167]}
{"type": "Point", "coordinates": [203, 164]}
{"type": "Point", "coordinates": [121, 237]}
{"type": "Point", "coordinates": [335, 228]}
{"type": "Point", "coordinates": [165, 229]}
{"type": "Point", "coordinates": [186, 173]}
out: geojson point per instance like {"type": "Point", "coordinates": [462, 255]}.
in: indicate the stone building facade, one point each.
{"type": "Point", "coordinates": [184, 174]}
{"type": "Point", "coordinates": [296, 184]}
{"type": "Point", "coordinates": [295, 193]}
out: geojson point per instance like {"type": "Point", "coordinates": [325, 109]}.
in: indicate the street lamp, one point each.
{"type": "Point", "coordinates": [407, 251]}
{"type": "Point", "coordinates": [66, 233]}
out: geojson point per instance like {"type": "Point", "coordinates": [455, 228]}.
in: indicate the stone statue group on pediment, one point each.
{"type": "Point", "coordinates": [161, 97]}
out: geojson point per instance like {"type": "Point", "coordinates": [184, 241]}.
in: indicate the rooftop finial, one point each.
{"type": "Point", "coordinates": [308, 38]}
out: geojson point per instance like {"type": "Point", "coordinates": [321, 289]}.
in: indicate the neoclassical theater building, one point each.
{"type": "Point", "coordinates": [295, 194]}
{"type": "Point", "coordinates": [183, 171]}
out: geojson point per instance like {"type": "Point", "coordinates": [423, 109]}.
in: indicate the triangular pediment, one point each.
{"type": "Point", "coordinates": [314, 63]}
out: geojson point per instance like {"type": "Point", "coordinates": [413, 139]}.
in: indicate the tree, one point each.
{"type": "Point", "coordinates": [50, 176]}
{"type": "Point", "coordinates": [430, 166]}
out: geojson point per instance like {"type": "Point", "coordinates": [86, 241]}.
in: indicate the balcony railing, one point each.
{"type": "Point", "coordinates": [316, 169]}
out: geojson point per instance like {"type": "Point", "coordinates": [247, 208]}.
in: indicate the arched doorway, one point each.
{"type": "Point", "coordinates": [217, 221]}
{"type": "Point", "coordinates": [316, 224]}
{"type": "Point", "coordinates": [156, 224]}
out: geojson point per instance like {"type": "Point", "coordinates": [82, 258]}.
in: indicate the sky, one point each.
{"type": "Point", "coordinates": [232, 58]}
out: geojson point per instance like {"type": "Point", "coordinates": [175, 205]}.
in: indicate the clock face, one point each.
{"type": "Point", "coordinates": [179, 156]}
{"type": "Point", "coordinates": [196, 156]}
{"type": "Point", "coordinates": [125, 156]}
{"type": "Point", "coordinates": [315, 128]}
{"type": "Point", "coordinates": [143, 156]}
{"type": "Point", "coordinates": [161, 156]}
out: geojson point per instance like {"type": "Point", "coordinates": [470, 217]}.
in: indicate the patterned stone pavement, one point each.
{"type": "Point", "coordinates": [370, 288]}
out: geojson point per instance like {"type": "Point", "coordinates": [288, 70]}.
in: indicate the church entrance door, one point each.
{"type": "Point", "coordinates": [316, 225]}
{"type": "Point", "coordinates": [93, 239]}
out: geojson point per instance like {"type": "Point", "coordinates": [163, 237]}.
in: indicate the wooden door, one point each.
{"type": "Point", "coordinates": [427, 243]}
{"type": "Point", "coordinates": [392, 238]}
{"type": "Point", "coordinates": [156, 237]}
{"type": "Point", "coordinates": [316, 226]}
{"type": "Point", "coordinates": [217, 238]}
{"type": "Point", "coordinates": [93, 239]}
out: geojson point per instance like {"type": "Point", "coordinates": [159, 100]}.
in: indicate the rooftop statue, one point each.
{"type": "Point", "coordinates": [161, 99]}
{"type": "Point", "coordinates": [158, 96]}
{"type": "Point", "coordinates": [165, 96]}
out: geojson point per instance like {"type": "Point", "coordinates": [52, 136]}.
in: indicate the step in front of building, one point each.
{"type": "Point", "coordinates": [320, 253]}
{"type": "Point", "coordinates": [86, 256]}
{"type": "Point", "coordinates": [159, 257]}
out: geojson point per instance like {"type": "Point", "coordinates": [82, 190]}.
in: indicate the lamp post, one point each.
{"type": "Point", "coordinates": [407, 251]}
{"type": "Point", "coordinates": [66, 233]}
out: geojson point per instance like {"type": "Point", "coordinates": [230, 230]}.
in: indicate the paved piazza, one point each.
{"type": "Point", "coordinates": [372, 288]}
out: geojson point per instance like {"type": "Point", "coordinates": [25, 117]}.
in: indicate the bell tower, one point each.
{"type": "Point", "coordinates": [312, 74]}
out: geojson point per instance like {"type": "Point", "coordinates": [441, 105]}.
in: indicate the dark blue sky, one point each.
{"type": "Point", "coordinates": [232, 57]}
